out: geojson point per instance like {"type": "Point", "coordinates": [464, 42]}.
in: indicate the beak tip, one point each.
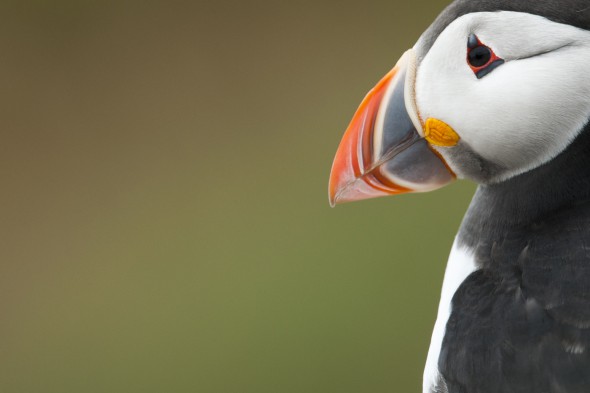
{"type": "Point", "coordinates": [331, 199]}
{"type": "Point", "coordinates": [332, 193]}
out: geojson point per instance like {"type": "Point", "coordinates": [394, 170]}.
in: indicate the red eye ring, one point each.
{"type": "Point", "coordinates": [480, 57]}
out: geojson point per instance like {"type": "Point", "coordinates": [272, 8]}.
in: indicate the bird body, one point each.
{"type": "Point", "coordinates": [515, 310]}
{"type": "Point", "coordinates": [498, 92]}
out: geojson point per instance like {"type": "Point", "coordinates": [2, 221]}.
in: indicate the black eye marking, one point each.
{"type": "Point", "coordinates": [481, 58]}
{"type": "Point", "coordinates": [472, 41]}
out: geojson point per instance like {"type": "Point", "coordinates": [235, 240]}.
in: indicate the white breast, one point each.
{"type": "Point", "coordinates": [461, 264]}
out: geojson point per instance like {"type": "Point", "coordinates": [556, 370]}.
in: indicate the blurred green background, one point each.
{"type": "Point", "coordinates": [164, 217]}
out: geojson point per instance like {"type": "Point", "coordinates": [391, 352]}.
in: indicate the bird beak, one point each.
{"type": "Point", "coordinates": [386, 149]}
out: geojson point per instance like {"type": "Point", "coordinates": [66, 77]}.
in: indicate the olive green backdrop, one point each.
{"type": "Point", "coordinates": [164, 216]}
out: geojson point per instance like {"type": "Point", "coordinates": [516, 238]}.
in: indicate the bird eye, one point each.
{"type": "Point", "coordinates": [481, 58]}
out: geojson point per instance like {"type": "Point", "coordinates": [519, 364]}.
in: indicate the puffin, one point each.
{"type": "Point", "coordinates": [496, 92]}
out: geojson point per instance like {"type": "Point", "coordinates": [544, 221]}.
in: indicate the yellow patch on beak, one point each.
{"type": "Point", "coordinates": [439, 133]}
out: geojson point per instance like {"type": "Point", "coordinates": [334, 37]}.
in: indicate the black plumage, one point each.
{"type": "Point", "coordinates": [521, 323]}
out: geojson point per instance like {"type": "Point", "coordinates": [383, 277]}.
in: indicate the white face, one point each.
{"type": "Point", "coordinates": [524, 112]}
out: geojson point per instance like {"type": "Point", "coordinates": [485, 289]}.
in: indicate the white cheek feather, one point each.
{"type": "Point", "coordinates": [461, 264]}
{"type": "Point", "coordinates": [524, 112]}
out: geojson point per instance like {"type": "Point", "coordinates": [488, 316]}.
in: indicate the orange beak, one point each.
{"type": "Point", "coordinates": [383, 151]}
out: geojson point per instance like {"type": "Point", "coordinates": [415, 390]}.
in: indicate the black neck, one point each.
{"type": "Point", "coordinates": [523, 200]}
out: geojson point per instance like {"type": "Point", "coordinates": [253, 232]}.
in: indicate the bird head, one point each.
{"type": "Point", "coordinates": [491, 90]}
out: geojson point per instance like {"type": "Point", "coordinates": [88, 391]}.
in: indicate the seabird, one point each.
{"type": "Point", "coordinates": [498, 92]}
